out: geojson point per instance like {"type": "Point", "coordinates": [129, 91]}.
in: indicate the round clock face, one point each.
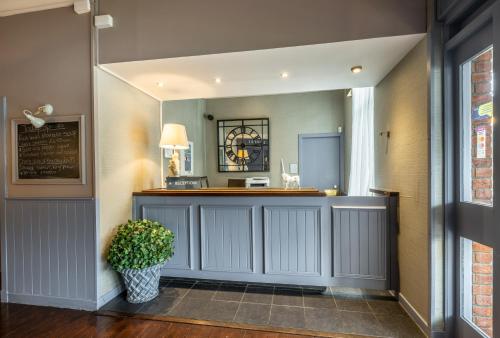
{"type": "Point", "coordinates": [243, 145]}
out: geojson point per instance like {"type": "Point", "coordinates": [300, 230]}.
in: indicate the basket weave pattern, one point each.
{"type": "Point", "coordinates": [142, 284]}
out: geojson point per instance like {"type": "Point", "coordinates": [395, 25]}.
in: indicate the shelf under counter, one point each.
{"type": "Point", "coordinates": [262, 192]}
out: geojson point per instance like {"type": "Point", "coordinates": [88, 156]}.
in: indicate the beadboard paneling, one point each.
{"type": "Point", "coordinates": [360, 237]}
{"type": "Point", "coordinates": [178, 219]}
{"type": "Point", "coordinates": [292, 240]}
{"type": "Point", "coordinates": [227, 238]}
{"type": "Point", "coordinates": [51, 250]}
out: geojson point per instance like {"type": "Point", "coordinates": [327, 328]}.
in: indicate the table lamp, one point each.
{"type": "Point", "coordinates": [174, 137]}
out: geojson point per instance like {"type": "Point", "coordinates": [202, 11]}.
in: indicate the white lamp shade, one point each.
{"type": "Point", "coordinates": [174, 136]}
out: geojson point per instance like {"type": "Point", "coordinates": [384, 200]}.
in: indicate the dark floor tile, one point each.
{"type": "Point", "coordinates": [120, 304]}
{"type": "Point", "coordinates": [159, 306]}
{"type": "Point", "coordinates": [386, 307]}
{"type": "Point", "coordinates": [399, 326]}
{"type": "Point", "coordinates": [317, 299]}
{"type": "Point", "coordinates": [188, 308]}
{"type": "Point", "coordinates": [376, 293]}
{"type": "Point", "coordinates": [338, 290]}
{"type": "Point", "coordinates": [257, 294]}
{"type": "Point", "coordinates": [290, 297]}
{"type": "Point", "coordinates": [352, 304]}
{"type": "Point", "coordinates": [176, 289]}
{"type": "Point", "coordinates": [203, 291]}
{"type": "Point", "coordinates": [287, 316]}
{"type": "Point", "coordinates": [230, 292]}
{"type": "Point", "coordinates": [219, 310]}
{"type": "Point", "coordinates": [250, 313]}
{"type": "Point", "coordinates": [361, 323]}
{"type": "Point", "coordinates": [326, 320]}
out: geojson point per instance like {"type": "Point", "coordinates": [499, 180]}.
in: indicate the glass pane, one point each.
{"type": "Point", "coordinates": [477, 127]}
{"type": "Point", "coordinates": [477, 285]}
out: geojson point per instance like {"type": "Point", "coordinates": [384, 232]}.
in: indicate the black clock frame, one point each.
{"type": "Point", "coordinates": [266, 142]}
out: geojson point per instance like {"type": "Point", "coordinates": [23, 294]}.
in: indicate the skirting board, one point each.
{"type": "Point", "coordinates": [67, 303]}
{"type": "Point", "coordinates": [417, 318]}
{"type": "Point", "coordinates": [104, 299]}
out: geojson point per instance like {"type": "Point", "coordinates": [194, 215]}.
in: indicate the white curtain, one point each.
{"type": "Point", "coordinates": [362, 147]}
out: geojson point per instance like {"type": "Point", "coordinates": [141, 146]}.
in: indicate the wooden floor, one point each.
{"type": "Point", "coordinates": [32, 321]}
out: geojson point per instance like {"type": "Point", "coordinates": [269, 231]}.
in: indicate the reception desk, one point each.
{"type": "Point", "coordinates": [290, 236]}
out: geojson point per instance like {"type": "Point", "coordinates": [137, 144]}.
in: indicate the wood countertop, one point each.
{"type": "Point", "coordinates": [302, 192]}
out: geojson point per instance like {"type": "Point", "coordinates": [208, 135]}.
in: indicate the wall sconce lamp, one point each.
{"type": "Point", "coordinates": [38, 122]}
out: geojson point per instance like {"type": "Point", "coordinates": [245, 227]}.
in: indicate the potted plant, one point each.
{"type": "Point", "coordinates": [137, 252]}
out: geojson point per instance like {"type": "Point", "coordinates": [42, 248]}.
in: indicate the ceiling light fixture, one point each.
{"type": "Point", "coordinates": [357, 69]}
{"type": "Point", "coordinates": [284, 75]}
{"type": "Point", "coordinates": [160, 84]}
{"type": "Point", "coordinates": [218, 80]}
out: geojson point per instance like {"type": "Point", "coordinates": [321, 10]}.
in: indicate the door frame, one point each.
{"type": "Point", "coordinates": [340, 136]}
{"type": "Point", "coordinates": [490, 13]}
{"type": "Point", "coordinates": [3, 195]}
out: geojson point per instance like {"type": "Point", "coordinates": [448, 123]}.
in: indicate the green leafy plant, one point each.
{"type": "Point", "coordinates": [140, 244]}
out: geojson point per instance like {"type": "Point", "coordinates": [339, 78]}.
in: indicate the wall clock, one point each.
{"type": "Point", "coordinates": [243, 145]}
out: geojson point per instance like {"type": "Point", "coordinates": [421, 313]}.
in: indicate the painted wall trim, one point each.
{"type": "Point", "coordinates": [414, 315]}
{"type": "Point", "coordinates": [36, 8]}
{"type": "Point", "coordinates": [68, 303]}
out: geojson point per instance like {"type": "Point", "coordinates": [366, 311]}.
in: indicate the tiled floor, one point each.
{"type": "Point", "coordinates": [338, 310]}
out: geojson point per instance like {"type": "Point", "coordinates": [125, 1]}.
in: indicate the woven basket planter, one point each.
{"type": "Point", "coordinates": [142, 284]}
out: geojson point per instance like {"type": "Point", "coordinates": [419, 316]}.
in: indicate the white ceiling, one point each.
{"type": "Point", "coordinates": [310, 68]}
{"type": "Point", "coordinates": [11, 7]}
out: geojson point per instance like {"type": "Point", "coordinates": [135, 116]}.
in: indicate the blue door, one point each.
{"type": "Point", "coordinates": [321, 160]}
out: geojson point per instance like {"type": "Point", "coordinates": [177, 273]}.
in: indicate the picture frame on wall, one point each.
{"type": "Point", "coordinates": [186, 160]}
{"type": "Point", "coordinates": [52, 154]}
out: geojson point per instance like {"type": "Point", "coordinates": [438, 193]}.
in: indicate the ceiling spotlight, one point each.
{"type": "Point", "coordinates": [356, 69]}
{"type": "Point", "coordinates": [218, 80]}
{"type": "Point", "coordinates": [284, 75]}
{"type": "Point", "coordinates": [160, 84]}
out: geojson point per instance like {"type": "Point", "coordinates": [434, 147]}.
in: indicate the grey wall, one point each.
{"type": "Point", "coordinates": [150, 29]}
{"type": "Point", "coordinates": [289, 115]}
{"type": "Point", "coordinates": [46, 58]}
{"type": "Point", "coordinates": [48, 235]}
{"type": "Point", "coordinates": [189, 113]}
{"type": "Point", "coordinates": [402, 165]}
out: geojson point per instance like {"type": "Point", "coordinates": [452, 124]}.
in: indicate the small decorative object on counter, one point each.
{"type": "Point", "coordinates": [186, 182]}
{"type": "Point", "coordinates": [137, 252]}
{"type": "Point", "coordinates": [333, 192]}
{"type": "Point", "coordinates": [290, 181]}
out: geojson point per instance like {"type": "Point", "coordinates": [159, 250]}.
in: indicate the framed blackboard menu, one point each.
{"type": "Point", "coordinates": [52, 154]}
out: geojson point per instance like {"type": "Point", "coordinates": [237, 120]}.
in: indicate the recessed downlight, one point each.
{"type": "Point", "coordinates": [160, 84]}
{"type": "Point", "coordinates": [284, 75]}
{"type": "Point", "coordinates": [357, 69]}
{"type": "Point", "coordinates": [218, 80]}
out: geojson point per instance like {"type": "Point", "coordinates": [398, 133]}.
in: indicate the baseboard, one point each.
{"type": "Point", "coordinates": [104, 299]}
{"type": "Point", "coordinates": [39, 300]}
{"type": "Point", "coordinates": [413, 313]}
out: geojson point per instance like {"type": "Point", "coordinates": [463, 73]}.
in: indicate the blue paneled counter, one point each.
{"type": "Point", "coordinates": [275, 236]}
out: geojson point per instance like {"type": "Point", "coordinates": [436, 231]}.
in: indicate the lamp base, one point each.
{"type": "Point", "coordinates": [173, 165]}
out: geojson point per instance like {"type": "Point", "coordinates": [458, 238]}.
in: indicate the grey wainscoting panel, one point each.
{"type": "Point", "coordinates": [227, 234]}
{"type": "Point", "coordinates": [360, 239]}
{"type": "Point", "coordinates": [178, 219]}
{"type": "Point", "coordinates": [292, 240]}
{"type": "Point", "coordinates": [51, 252]}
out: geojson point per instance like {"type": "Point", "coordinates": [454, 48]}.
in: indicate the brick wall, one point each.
{"type": "Point", "coordinates": [482, 287]}
{"type": "Point", "coordinates": [482, 168]}
{"type": "Point", "coordinates": [482, 192]}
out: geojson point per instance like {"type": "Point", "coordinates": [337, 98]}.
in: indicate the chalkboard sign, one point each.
{"type": "Point", "coordinates": [51, 154]}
